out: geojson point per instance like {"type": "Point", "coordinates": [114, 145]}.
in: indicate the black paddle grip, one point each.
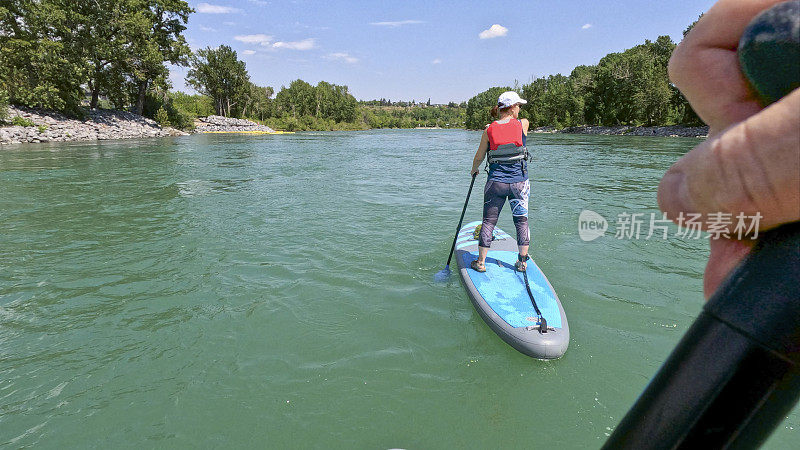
{"type": "Point", "coordinates": [736, 373]}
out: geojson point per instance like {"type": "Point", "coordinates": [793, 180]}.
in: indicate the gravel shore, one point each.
{"type": "Point", "coordinates": [50, 126]}
{"type": "Point", "coordinates": [99, 124]}
{"type": "Point", "coordinates": [670, 131]}
{"type": "Point", "coordinates": [220, 124]}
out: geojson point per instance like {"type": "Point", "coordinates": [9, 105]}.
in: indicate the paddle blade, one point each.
{"type": "Point", "coordinates": [442, 275]}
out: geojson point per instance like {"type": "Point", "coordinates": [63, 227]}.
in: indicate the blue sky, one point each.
{"type": "Point", "coordinates": [409, 49]}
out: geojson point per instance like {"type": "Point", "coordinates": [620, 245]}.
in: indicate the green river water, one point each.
{"type": "Point", "coordinates": [276, 291]}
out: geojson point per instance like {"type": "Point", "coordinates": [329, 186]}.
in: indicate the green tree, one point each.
{"type": "Point", "coordinates": [50, 49]}
{"type": "Point", "coordinates": [582, 85]}
{"type": "Point", "coordinates": [162, 117]}
{"type": "Point", "coordinates": [653, 94]}
{"type": "Point", "coordinates": [194, 105]}
{"type": "Point", "coordinates": [182, 109]}
{"type": "Point", "coordinates": [257, 102]}
{"type": "Point", "coordinates": [154, 35]}
{"type": "Point", "coordinates": [218, 73]}
{"type": "Point", "coordinates": [479, 107]}
{"type": "Point", "coordinates": [343, 105]}
{"type": "Point", "coordinates": [40, 64]}
{"type": "Point", "coordinates": [3, 105]}
{"type": "Point", "coordinates": [299, 99]}
{"type": "Point", "coordinates": [101, 31]}
{"type": "Point", "coordinates": [550, 101]}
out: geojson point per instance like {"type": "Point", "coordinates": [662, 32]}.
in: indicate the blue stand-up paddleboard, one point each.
{"type": "Point", "coordinates": [500, 297]}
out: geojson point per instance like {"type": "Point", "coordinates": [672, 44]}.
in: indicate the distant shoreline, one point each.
{"type": "Point", "coordinates": [626, 130]}
{"type": "Point", "coordinates": [49, 126]}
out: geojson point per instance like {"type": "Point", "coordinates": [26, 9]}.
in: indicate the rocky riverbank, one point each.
{"type": "Point", "coordinates": [668, 131]}
{"type": "Point", "coordinates": [48, 126]}
{"type": "Point", "coordinates": [25, 125]}
{"type": "Point", "coordinates": [220, 124]}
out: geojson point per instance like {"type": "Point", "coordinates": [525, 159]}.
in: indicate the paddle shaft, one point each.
{"type": "Point", "coordinates": [458, 228]}
{"type": "Point", "coordinates": [735, 375]}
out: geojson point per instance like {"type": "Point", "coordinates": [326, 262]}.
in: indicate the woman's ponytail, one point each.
{"type": "Point", "coordinates": [494, 111]}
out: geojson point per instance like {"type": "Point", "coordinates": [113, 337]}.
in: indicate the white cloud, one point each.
{"type": "Point", "coordinates": [308, 27]}
{"type": "Point", "coordinates": [207, 29]}
{"type": "Point", "coordinates": [493, 32]}
{"type": "Point", "coordinates": [249, 52]}
{"type": "Point", "coordinates": [305, 44]}
{"type": "Point", "coordinates": [396, 24]}
{"type": "Point", "coordinates": [586, 27]}
{"type": "Point", "coordinates": [259, 2]}
{"type": "Point", "coordinates": [206, 8]}
{"type": "Point", "coordinates": [261, 39]}
{"type": "Point", "coordinates": [343, 57]}
{"type": "Point", "coordinates": [436, 61]}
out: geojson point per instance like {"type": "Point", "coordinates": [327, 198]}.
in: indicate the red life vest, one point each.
{"type": "Point", "coordinates": [504, 133]}
{"type": "Point", "coordinates": [506, 143]}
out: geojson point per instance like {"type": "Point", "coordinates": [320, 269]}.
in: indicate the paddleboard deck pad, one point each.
{"type": "Point", "coordinates": [500, 297]}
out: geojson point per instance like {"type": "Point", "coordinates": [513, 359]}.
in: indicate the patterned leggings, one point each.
{"type": "Point", "coordinates": [494, 197]}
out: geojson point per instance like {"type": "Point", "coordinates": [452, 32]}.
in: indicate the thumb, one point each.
{"type": "Point", "coordinates": [725, 255]}
{"type": "Point", "coordinates": [751, 167]}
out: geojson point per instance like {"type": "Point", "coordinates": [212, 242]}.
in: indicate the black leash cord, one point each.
{"type": "Point", "coordinates": [542, 320]}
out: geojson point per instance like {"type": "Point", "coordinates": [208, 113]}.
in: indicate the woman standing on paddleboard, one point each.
{"type": "Point", "coordinates": [503, 143]}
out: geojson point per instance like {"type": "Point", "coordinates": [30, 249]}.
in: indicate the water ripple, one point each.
{"type": "Point", "coordinates": [234, 290]}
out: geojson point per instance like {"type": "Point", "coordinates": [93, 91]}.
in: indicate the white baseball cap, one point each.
{"type": "Point", "coordinates": [509, 98]}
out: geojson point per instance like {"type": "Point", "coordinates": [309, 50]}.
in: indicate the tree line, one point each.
{"type": "Point", "coordinates": [220, 76]}
{"type": "Point", "coordinates": [52, 52]}
{"type": "Point", "coordinates": [627, 88]}
{"type": "Point", "coordinates": [411, 103]}
{"type": "Point", "coordinates": [63, 54]}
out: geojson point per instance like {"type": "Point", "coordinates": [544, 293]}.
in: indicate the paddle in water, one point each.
{"type": "Point", "coordinates": [444, 274]}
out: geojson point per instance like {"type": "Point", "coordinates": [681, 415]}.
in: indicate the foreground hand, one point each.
{"type": "Point", "coordinates": [751, 162]}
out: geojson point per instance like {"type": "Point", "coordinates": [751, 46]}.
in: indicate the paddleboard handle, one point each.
{"type": "Point", "coordinates": [735, 375]}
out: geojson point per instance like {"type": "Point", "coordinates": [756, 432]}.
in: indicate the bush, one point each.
{"type": "Point", "coordinates": [3, 105]}
{"type": "Point", "coordinates": [179, 109]}
{"type": "Point", "coordinates": [42, 128]}
{"type": "Point", "coordinates": [162, 117]}
{"type": "Point", "coordinates": [105, 104]}
{"type": "Point", "coordinates": [36, 67]}
{"type": "Point", "coordinates": [181, 119]}
{"type": "Point", "coordinates": [192, 105]}
{"type": "Point", "coordinates": [20, 121]}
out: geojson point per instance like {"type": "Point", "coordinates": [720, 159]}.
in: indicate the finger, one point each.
{"type": "Point", "coordinates": [724, 23]}
{"type": "Point", "coordinates": [725, 255]}
{"type": "Point", "coordinates": [705, 66]}
{"type": "Point", "coordinates": [751, 167]}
